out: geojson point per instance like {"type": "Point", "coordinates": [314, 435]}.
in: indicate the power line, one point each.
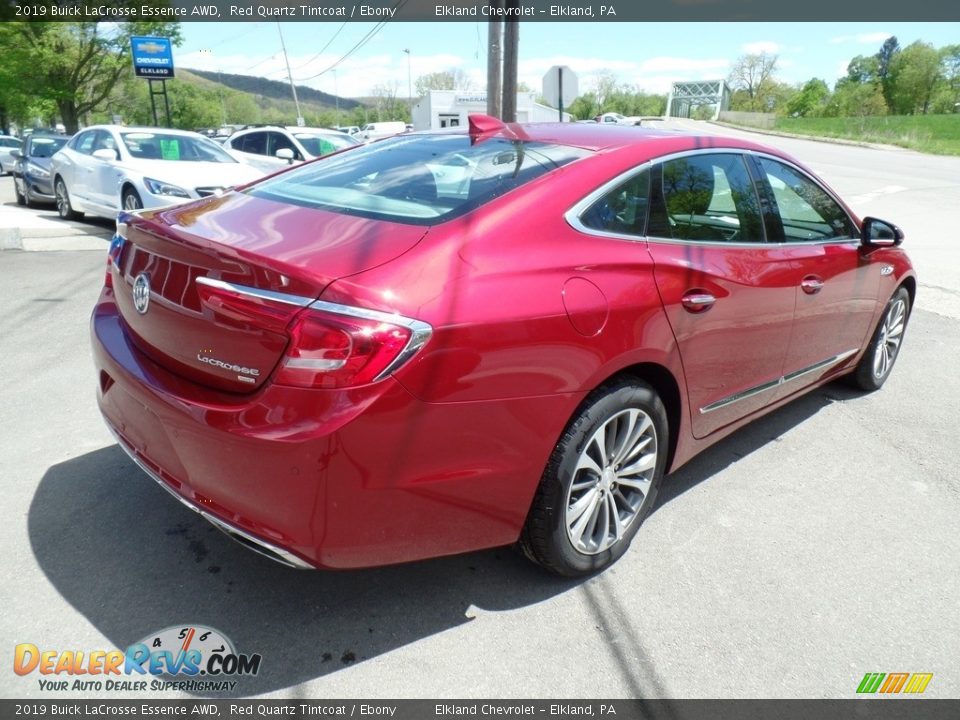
{"type": "Point", "coordinates": [363, 41]}
{"type": "Point", "coordinates": [343, 25]}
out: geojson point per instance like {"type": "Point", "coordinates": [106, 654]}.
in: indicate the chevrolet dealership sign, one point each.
{"type": "Point", "coordinates": [152, 57]}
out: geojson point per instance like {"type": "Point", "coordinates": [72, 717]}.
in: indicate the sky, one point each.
{"type": "Point", "coordinates": [648, 56]}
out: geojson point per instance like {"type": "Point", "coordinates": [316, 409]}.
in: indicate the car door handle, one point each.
{"type": "Point", "coordinates": [811, 284]}
{"type": "Point", "coordinates": [697, 301]}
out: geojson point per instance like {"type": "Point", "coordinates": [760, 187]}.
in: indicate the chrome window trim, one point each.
{"type": "Point", "coordinates": [782, 380]}
{"type": "Point", "coordinates": [572, 216]}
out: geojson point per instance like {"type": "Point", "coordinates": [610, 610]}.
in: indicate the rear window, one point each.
{"type": "Point", "coordinates": [416, 179]}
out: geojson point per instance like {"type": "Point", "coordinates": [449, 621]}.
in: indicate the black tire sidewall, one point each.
{"type": "Point", "coordinates": [621, 397]}
{"type": "Point", "coordinates": [864, 377]}
{"type": "Point", "coordinates": [61, 187]}
{"type": "Point", "coordinates": [128, 193]}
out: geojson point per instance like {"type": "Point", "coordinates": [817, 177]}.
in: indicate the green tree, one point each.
{"type": "Point", "coordinates": [914, 73]}
{"type": "Point", "coordinates": [885, 57]}
{"type": "Point", "coordinates": [851, 99]}
{"type": "Point", "coordinates": [810, 100]}
{"type": "Point", "coordinates": [74, 65]}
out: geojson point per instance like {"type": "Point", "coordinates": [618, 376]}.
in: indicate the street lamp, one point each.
{"type": "Point", "coordinates": [409, 84]}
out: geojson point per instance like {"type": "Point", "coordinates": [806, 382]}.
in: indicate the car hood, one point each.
{"type": "Point", "coordinates": [194, 174]}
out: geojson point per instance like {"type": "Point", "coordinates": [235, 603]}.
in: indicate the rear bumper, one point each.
{"type": "Point", "coordinates": [329, 478]}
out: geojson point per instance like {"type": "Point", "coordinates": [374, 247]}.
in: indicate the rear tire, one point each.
{"type": "Point", "coordinates": [600, 482]}
{"type": "Point", "coordinates": [64, 208]}
{"type": "Point", "coordinates": [877, 362]}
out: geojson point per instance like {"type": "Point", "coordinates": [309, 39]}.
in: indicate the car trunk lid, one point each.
{"type": "Point", "coordinates": [208, 289]}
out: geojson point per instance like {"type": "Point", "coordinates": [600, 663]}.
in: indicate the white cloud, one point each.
{"type": "Point", "coordinates": [761, 46]}
{"type": "Point", "coordinates": [861, 39]}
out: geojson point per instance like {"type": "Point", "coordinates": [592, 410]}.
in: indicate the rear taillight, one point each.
{"type": "Point", "coordinates": [329, 345]}
{"type": "Point", "coordinates": [333, 350]}
{"type": "Point", "coordinates": [336, 346]}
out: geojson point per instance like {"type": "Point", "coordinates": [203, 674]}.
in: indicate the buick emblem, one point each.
{"type": "Point", "coordinates": [141, 293]}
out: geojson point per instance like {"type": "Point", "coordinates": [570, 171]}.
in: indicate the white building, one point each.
{"type": "Point", "coordinates": [450, 108]}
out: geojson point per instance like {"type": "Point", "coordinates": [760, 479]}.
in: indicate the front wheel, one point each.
{"type": "Point", "coordinates": [64, 208]}
{"type": "Point", "coordinates": [131, 200]}
{"type": "Point", "coordinates": [601, 481]}
{"type": "Point", "coordinates": [21, 196]}
{"type": "Point", "coordinates": [877, 362]}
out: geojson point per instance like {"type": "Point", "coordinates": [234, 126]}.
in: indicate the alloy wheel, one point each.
{"type": "Point", "coordinates": [612, 481]}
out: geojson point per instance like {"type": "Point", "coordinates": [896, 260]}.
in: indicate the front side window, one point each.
{"type": "Point", "coordinates": [279, 141]}
{"type": "Point", "coordinates": [416, 179]}
{"type": "Point", "coordinates": [83, 143]}
{"type": "Point", "coordinates": [708, 197]}
{"type": "Point", "coordinates": [806, 210]}
{"type": "Point", "coordinates": [623, 210]}
{"type": "Point", "coordinates": [319, 145]}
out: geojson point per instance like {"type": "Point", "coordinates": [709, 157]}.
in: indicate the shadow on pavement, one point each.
{"type": "Point", "coordinates": [750, 438]}
{"type": "Point", "coordinates": [133, 561]}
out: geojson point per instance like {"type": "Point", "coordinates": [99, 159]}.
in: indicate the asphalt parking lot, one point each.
{"type": "Point", "coordinates": [816, 545]}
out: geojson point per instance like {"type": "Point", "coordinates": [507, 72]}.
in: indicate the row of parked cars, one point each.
{"type": "Point", "coordinates": [106, 168]}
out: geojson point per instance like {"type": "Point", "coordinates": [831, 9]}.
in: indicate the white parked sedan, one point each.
{"type": "Point", "coordinates": [108, 167]}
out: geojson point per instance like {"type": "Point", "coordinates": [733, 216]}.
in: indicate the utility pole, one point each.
{"type": "Point", "coordinates": [300, 120]}
{"type": "Point", "coordinates": [511, 47]}
{"type": "Point", "coordinates": [494, 33]}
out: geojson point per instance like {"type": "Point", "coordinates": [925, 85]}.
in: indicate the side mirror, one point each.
{"type": "Point", "coordinates": [880, 233]}
{"type": "Point", "coordinates": [16, 154]}
{"type": "Point", "coordinates": [105, 154]}
{"type": "Point", "coordinates": [285, 154]}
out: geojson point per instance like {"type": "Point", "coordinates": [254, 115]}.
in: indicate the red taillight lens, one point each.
{"type": "Point", "coordinates": [329, 350]}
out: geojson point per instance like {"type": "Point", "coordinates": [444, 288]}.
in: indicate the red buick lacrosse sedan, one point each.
{"type": "Point", "coordinates": [443, 342]}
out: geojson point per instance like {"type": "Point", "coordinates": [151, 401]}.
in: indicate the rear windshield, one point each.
{"type": "Point", "coordinates": [416, 179]}
{"type": "Point", "coordinates": [158, 146]}
{"type": "Point", "coordinates": [44, 147]}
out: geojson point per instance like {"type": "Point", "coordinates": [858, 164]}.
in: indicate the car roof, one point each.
{"type": "Point", "coordinates": [143, 129]}
{"type": "Point", "coordinates": [597, 137]}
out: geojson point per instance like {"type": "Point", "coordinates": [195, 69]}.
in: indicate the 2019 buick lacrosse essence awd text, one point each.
{"type": "Point", "coordinates": [443, 342]}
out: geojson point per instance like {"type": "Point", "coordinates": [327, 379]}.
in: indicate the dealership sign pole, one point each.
{"type": "Point", "coordinates": [153, 60]}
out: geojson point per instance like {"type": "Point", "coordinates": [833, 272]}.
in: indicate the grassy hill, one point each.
{"type": "Point", "coordinates": [276, 90]}
{"type": "Point", "coordinates": [938, 134]}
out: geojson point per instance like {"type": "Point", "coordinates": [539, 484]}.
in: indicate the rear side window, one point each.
{"type": "Point", "coordinates": [623, 210]}
{"type": "Point", "coordinates": [416, 179]}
